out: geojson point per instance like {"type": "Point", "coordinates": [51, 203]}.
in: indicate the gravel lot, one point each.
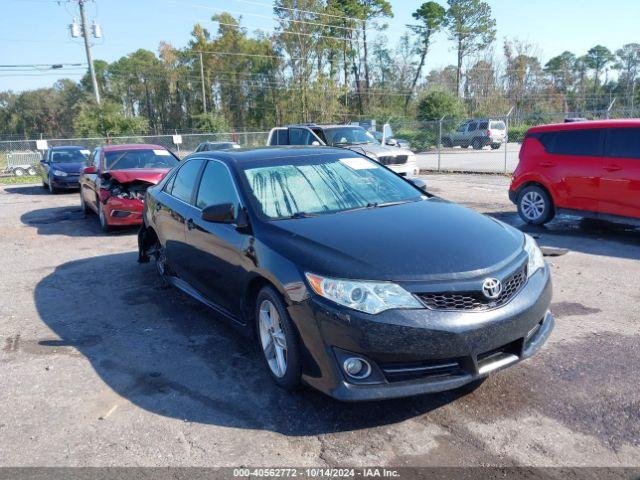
{"type": "Point", "coordinates": [100, 365]}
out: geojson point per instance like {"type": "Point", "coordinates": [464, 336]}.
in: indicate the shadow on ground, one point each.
{"type": "Point", "coordinates": [35, 190]}
{"type": "Point", "coordinates": [70, 221]}
{"type": "Point", "coordinates": [170, 355]}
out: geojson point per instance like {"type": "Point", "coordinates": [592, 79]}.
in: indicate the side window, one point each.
{"type": "Point", "coordinates": [484, 125]}
{"type": "Point", "coordinates": [95, 158]}
{"type": "Point", "coordinates": [216, 187]}
{"type": "Point", "coordinates": [462, 128]}
{"type": "Point", "coordinates": [282, 136]}
{"type": "Point", "coordinates": [182, 184]}
{"type": "Point", "coordinates": [473, 126]}
{"type": "Point", "coordinates": [299, 136]}
{"type": "Point", "coordinates": [623, 143]}
{"type": "Point", "coordinates": [574, 142]}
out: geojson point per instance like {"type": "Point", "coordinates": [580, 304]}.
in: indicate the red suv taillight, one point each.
{"type": "Point", "coordinates": [488, 133]}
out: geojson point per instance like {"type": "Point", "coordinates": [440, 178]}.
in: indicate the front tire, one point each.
{"type": "Point", "coordinates": [103, 218]}
{"type": "Point", "coordinates": [52, 189]}
{"type": "Point", "coordinates": [495, 146]}
{"type": "Point", "coordinates": [18, 172]}
{"type": "Point", "coordinates": [277, 339]}
{"type": "Point", "coordinates": [535, 205]}
{"type": "Point", "coordinates": [83, 204]}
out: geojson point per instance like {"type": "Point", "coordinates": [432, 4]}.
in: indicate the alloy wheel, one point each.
{"type": "Point", "coordinates": [272, 338]}
{"type": "Point", "coordinates": [533, 205]}
{"type": "Point", "coordinates": [161, 260]}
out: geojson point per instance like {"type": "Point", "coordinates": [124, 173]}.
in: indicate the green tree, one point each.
{"type": "Point", "coordinates": [471, 27]}
{"type": "Point", "coordinates": [561, 70]}
{"type": "Point", "coordinates": [431, 17]}
{"type": "Point", "coordinates": [439, 103]}
{"type": "Point", "coordinates": [597, 59]}
{"type": "Point", "coordinates": [628, 64]}
{"type": "Point", "coordinates": [210, 123]}
{"type": "Point", "coordinates": [107, 120]}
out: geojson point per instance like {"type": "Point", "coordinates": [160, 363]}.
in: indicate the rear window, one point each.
{"type": "Point", "coordinates": [623, 143]}
{"type": "Point", "coordinates": [498, 125]}
{"type": "Point", "coordinates": [483, 125]}
{"type": "Point", "coordinates": [572, 142]}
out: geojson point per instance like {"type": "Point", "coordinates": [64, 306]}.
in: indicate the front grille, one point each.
{"type": "Point", "coordinates": [402, 372]}
{"type": "Point", "coordinates": [393, 160]}
{"type": "Point", "coordinates": [475, 301]}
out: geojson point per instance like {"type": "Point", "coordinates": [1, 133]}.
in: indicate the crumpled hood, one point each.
{"type": "Point", "coordinates": [412, 241]}
{"type": "Point", "coordinates": [68, 167]}
{"type": "Point", "coordinates": [380, 150]}
{"type": "Point", "coordinates": [150, 175]}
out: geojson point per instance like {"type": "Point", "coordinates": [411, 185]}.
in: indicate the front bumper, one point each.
{"type": "Point", "coordinates": [123, 212]}
{"type": "Point", "coordinates": [421, 351]}
{"type": "Point", "coordinates": [69, 182]}
{"type": "Point", "coordinates": [408, 169]}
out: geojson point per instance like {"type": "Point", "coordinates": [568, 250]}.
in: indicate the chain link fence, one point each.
{"type": "Point", "coordinates": [439, 145]}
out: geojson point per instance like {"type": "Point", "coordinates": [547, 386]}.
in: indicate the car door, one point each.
{"type": "Point", "coordinates": [216, 250]}
{"type": "Point", "coordinates": [170, 209]}
{"type": "Point", "coordinates": [572, 165]}
{"type": "Point", "coordinates": [472, 131]}
{"type": "Point", "coordinates": [302, 136]}
{"type": "Point", "coordinates": [620, 180]}
{"type": "Point", "coordinates": [89, 185]}
{"type": "Point", "coordinates": [459, 135]}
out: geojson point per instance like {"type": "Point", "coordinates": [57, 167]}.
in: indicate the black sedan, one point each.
{"type": "Point", "coordinates": [351, 279]}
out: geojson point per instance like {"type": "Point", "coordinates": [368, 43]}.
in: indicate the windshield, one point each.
{"type": "Point", "coordinates": [138, 158]}
{"type": "Point", "coordinates": [72, 155]}
{"type": "Point", "coordinates": [348, 136]}
{"type": "Point", "coordinates": [321, 184]}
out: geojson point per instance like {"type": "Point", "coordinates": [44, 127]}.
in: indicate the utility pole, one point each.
{"type": "Point", "coordinates": [204, 95]}
{"type": "Point", "coordinates": [87, 47]}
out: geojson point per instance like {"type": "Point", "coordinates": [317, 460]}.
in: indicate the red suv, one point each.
{"type": "Point", "coordinates": [586, 168]}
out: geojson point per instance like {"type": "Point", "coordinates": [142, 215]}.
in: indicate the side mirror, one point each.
{"type": "Point", "coordinates": [89, 170]}
{"type": "Point", "coordinates": [392, 142]}
{"type": "Point", "coordinates": [418, 182]}
{"type": "Point", "coordinates": [43, 161]}
{"type": "Point", "coordinates": [315, 143]}
{"type": "Point", "coordinates": [222, 213]}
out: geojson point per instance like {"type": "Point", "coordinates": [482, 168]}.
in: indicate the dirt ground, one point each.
{"type": "Point", "coordinates": [100, 365]}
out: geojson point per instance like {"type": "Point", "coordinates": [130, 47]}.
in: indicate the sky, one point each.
{"type": "Point", "coordinates": [36, 31]}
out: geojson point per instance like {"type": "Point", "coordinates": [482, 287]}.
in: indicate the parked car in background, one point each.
{"type": "Point", "coordinates": [351, 137]}
{"type": "Point", "coordinates": [477, 133]}
{"type": "Point", "coordinates": [588, 168]}
{"type": "Point", "coordinates": [60, 167]}
{"type": "Point", "coordinates": [21, 163]}
{"type": "Point", "coordinates": [116, 178]}
{"type": "Point", "coordinates": [211, 146]}
{"type": "Point", "coordinates": [350, 279]}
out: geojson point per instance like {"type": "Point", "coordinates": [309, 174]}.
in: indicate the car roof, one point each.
{"type": "Point", "coordinates": [68, 147]}
{"type": "Point", "coordinates": [241, 156]}
{"type": "Point", "coordinates": [330, 125]}
{"type": "Point", "coordinates": [218, 142]}
{"type": "Point", "coordinates": [633, 122]}
{"type": "Point", "coordinates": [132, 146]}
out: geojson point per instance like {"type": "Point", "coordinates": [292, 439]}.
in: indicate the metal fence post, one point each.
{"type": "Point", "coordinates": [506, 143]}
{"type": "Point", "coordinates": [440, 139]}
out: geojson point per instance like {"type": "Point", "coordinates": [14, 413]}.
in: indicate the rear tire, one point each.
{"type": "Point", "coordinates": [446, 142]}
{"type": "Point", "coordinates": [18, 172]}
{"type": "Point", "coordinates": [535, 205]}
{"type": "Point", "coordinates": [476, 144]}
{"type": "Point", "coordinates": [32, 171]}
{"type": "Point", "coordinates": [495, 146]}
{"type": "Point", "coordinates": [277, 339]}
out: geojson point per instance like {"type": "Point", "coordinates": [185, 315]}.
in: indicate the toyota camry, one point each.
{"type": "Point", "coordinates": [349, 278]}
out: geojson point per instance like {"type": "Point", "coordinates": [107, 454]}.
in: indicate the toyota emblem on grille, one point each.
{"type": "Point", "coordinates": [492, 288]}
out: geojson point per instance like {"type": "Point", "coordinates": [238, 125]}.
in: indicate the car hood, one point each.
{"type": "Point", "coordinates": [68, 167]}
{"type": "Point", "coordinates": [414, 241]}
{"type": "Point", "coordinates": [150, 175]}
{"type": "Point", "coordinates": [380, 150]}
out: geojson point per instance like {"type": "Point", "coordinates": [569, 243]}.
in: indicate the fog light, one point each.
{"type": "Point", "coordinates": [356, 367]}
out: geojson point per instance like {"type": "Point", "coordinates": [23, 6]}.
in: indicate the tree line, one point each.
{"type": "Point", "coordinates": [326, 61]}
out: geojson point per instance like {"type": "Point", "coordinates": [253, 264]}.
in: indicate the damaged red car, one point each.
{"type": "Point", "coordinates": [116, 178]}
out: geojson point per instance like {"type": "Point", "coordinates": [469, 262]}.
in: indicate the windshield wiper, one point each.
{"type": "Point", "coordinates": [389, 204]}
{"type": "Point", "coordinates": [303, 215]}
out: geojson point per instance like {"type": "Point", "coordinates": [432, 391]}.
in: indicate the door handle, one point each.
{"type": "Point", "coordinates": [613, 168]}
{"type": "Point", "coordinates": [547, 164]}
{"type": "Point", "coordinates": [190, 224]}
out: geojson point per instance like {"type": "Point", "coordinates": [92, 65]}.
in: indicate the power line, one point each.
{"type": "Point", "coordinates": [260, 4]}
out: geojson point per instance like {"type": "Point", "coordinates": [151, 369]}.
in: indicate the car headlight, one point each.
{"type": "Point", "coordinates": [536, 259]}
{"type": "Point", "coordinates": [59, 173]}
{"type": "Point", "coordinates": [368, 297]}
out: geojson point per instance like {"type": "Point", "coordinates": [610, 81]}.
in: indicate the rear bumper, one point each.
{"type": "Point", "coordinates": [513, 196]}
{"type": "Point", "coordinates": [421, 351]}
{"type": "Point", "coordinates": [123, 212]}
